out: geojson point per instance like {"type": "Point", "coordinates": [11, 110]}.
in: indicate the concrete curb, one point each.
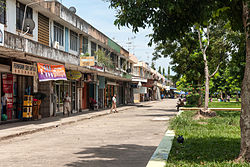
{"type": "Point", "coordinates": [62, 123]}
{"type": "Point", "coordinates": [214, 109]}
{"type": "Point", "coordinates": [160, 156]}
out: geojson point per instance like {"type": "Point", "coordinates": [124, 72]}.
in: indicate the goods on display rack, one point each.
{"type": "Point", "coordinates": [27, 106]}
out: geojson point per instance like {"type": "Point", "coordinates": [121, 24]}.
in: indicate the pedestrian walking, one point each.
{"type": "Point", "coordinates": [113, 104]}
{"type": "Point", "coordinates": [66, 104]}
{"type": "Point", "coordinates": [4, 101]}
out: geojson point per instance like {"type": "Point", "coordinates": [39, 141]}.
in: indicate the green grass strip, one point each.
{"type": "Point", "coordinates": [208, 142]}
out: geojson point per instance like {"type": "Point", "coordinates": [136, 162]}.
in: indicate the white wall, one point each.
{"type": "Point", "coordinates": [35, 31]}
{"type": "Point", "coordinates": [11, 16]}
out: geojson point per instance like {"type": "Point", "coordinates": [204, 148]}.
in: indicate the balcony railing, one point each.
{"type": "Point", "coordinates": [19, 43]}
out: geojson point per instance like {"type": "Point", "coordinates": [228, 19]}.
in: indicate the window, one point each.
{"type": "Point", "coordinates": [93, 48]}
{"type": "Point", "coordinates": [73, 41]}
{"type": "Point", "coordinates": [85, 45]}
{"type": "Point", "coordinates": [58, 33]}
{"type": "Point", "coordinates": [2, 11]}
{"type": "Point", "coordinates": [20, 13]}
{"type": "Point", "coordinates": [141, 72]}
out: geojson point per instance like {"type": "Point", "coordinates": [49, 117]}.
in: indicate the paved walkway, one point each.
{"type": "Point", "coordinates": [124, 139]}
{"type": "Point", "coordinates": [27, 127]}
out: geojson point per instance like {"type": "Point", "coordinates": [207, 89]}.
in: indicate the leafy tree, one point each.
{"type": "Point", "coordinates": [163, 71]}
{"type": "Point", "coordinates": [153, 65]}
{"type": "Point", "coordinates": [159, 69]}
{"type": "Point", "coordinates": [103, 59]}
{"type": "Point", "coordinates": [171, 19]}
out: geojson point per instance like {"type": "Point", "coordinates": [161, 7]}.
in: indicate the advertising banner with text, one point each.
{"type": "Point", "coordinates": [47, 72]}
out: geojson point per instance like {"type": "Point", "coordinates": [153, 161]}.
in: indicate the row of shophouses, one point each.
{"type": "Point", "coordinates": [62, 42]}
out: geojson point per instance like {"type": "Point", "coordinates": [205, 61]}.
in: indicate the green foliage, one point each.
{"type": "Point", "coordinates": [225, 105]}
{"type": "Point", "coordinates": [208, 142]}
{"type": "Point", "coordinates": [85, 55]}
{"type": "Point", "coordinates": [103, 59]}
{"type": "Point", "coordinates": [193, 99]}
{"type": "Point", "coordinates": [173, 19]}
{"type": "Point", "coordinates": [159, 69]}
{"type": "Point", "coordinates": [153, 65]}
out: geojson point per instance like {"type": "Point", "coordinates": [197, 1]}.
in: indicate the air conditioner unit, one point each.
{"type": "Point", "coordinates": [56, 45]}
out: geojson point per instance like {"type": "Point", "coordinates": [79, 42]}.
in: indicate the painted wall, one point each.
{"type": "Point", "coordinates": [11, 16]}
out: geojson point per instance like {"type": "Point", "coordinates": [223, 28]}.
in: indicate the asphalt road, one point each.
{"type": "Point", "coordinates": [124, 139]}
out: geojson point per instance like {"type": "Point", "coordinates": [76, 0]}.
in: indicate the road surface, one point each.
{"type": "Point", "coordinates": [124, 139]}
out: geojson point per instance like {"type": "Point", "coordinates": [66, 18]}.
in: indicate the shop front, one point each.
{"type": "Point", "coordinates": [101, 92]}
{"type": "Point", "coordinates": [149, 85]}
{"type": "Point", "coordinates": [110, 90]}
{"type": "Point", "coordinates": [75, 91]}
{"type": "Point", "coordinates": [138, 91]}
{"type": "Point", "coordinates": [54, 84]}
{"type": "Point", "coordinates": [18, 86]}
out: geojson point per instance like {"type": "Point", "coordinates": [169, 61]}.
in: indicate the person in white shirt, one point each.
{"type": "Point", "coordinates": [4, 101]}
{"type": "Point", "coordinates": [113, 104]}
{"type": "Point", "coordinates": [66, 104]}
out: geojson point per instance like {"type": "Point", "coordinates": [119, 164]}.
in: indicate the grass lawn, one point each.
{"type": "Point", "coordinates": [220, 105]}
{"type": "Point", "coordinates": [208, 142]}
{"type": "Point", "coordinates": [224, 105]}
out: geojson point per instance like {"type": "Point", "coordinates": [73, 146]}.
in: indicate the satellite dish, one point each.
{"type": "Point", "coordinates": [72, 9]}
{"type": "Point", "coordinates": [29, 25]}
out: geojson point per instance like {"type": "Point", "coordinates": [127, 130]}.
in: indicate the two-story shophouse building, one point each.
{"type": "Point", "coordinates": [51, 59]}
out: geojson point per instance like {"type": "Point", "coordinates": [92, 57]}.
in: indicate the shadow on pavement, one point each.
{"type": "Point", "coordinates": [125, 155]}
{"type": "Point", "coordinates": [165, 110]}
{"type": "Point", "coordinates": [159, 115]}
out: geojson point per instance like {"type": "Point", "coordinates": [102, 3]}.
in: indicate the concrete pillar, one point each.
{"type": "Point", "coordinates": [81, 42]}
{"type": "Point", "coordinates": [35, 82]}
{"type": "Point", "coordinates": [89, 47]}
{"type": "Point", "coordinates": [119, 60]}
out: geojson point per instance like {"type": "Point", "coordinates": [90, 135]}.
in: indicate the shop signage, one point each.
{"type": "Point", "coordinates": [1, 34]}
{"type": "Point", "coordinates": [87, 61]}
{"type": "Point", "coordinates": [23, 69]}
{"type": "Point", "coordinates": [74, 75]}
{"type": "Point", "coordinates": [47, 72]}
{"type": "Point", "coordinates": [8, 90]}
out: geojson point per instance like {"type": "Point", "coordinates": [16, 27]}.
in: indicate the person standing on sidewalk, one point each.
{"type": "Point", "coordinates": [66, 104]}
{"type": "Point", "coordinates": [113, 104]}
{"type": "Point", "coordinates": [4, 101]}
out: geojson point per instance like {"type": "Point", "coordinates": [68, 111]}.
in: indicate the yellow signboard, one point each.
{"type": "Point", "coordinates": [74, 75]}
{"type": "Point", "coordinates": [87, 61]}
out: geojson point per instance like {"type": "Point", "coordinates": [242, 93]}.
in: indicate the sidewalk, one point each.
{"type": "Point", "coordinates": [8, 131]}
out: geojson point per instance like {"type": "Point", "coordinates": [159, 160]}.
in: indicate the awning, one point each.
{"type": "Point", "coordinates": [139, 80]}
{"type": "Point", "coordinates": [111, 83]}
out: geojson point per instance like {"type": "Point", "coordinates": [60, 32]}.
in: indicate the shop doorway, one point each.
{"type": "Point", "coordinates": [60, 90]}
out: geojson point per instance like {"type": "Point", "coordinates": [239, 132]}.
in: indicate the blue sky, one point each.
{"type": "Point", "coordinates": [99, 15]}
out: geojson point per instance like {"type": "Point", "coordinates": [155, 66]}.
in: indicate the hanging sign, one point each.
{"type": "Point", "coordinates": [8, 90]}
{"type": "Point", "coordinates": [47, 72]}
{"type": "Point", "coordinates": [74, 75]}
{"type": "Point", "coordinates": [87, 61]}
{"type": "Point", "coordinates": [23, 69]}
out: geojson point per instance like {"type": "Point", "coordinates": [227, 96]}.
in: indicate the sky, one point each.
{"type": "Point", "coordinates": [98, 14]}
